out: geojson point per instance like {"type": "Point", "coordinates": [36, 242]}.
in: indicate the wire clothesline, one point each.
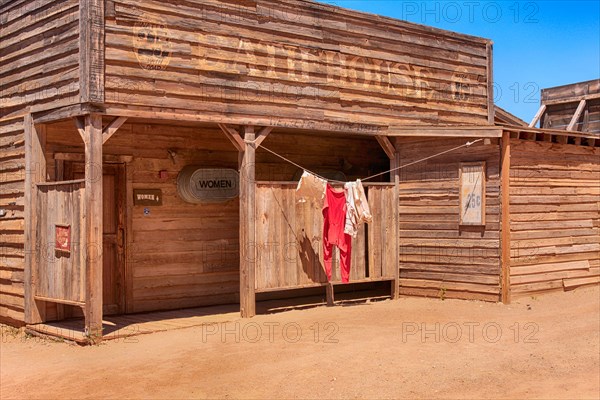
{"type": "Point", "coordinates": [468, 144]}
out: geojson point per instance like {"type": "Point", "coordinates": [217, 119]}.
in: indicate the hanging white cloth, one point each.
{"type": "Point", "coordinates": [310, 187]}
{"type": "Point", "coordinates": [357, 207]}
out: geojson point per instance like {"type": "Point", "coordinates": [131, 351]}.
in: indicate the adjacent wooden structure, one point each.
{"type": "Point", "coordinates": [103, 98]}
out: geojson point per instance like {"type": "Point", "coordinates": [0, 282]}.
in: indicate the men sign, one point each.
{"type": "Point", "coordinates": [201, 185]}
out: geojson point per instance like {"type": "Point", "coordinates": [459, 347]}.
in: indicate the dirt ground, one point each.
{"type": "Point", "coordinates": [544, 347]}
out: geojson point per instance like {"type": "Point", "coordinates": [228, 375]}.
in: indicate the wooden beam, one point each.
{"type": "Point", "coordinates": [42, 114]}
{"type": "Point", "coordinates": [93, 227]}
{"type": "Point", "coordinates": [576, 116]}
{"type": "Point", "coordinates": [505, 241]}
{"type": "Point", "coordinates": [538, 115]}
{"type": "Point", "coordinates": [112, 127]}
{"type": "Point", "coordinates": [248, 225]}
{"type": "Point", "coordinates": [387, 146]}
{"type": "Point", "coordinates": [572, 99]}
{"type": "Point", "coordinates": [490, 83]}
{"type": "Point", "coordinates": [91, 51]}
{"type": "Point", "coordinates": [35, 164]}
{"type": "Point", "coordinates": [80, 125]}
{"type": "Point", "coordinates": [395, 177]}
{"type": "Point", "coordinates": [262, 135]}
{"type": "Point", "coordinates": [444, 131]}
{"type": "Point", "coordinates": [329, 294]}
{"type": "Point", "coordinates": [234, 137]}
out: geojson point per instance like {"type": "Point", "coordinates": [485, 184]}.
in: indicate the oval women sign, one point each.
{"type": "Point", "coordinates": [202, 185]}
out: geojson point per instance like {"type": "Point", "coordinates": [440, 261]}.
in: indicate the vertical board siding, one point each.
{"type": "Point", "coordinates": [38, 68]}
{"type": "Point", "coordinates": [292, 62]}
{"type": "Point", "coordinates": [289, 240]}
{"type": "Point", "coordinates": [555, 217]}
{"type": "Point", "coordinates": [437, 257]}
{"type": "Point", "coordinates": [60, 275]}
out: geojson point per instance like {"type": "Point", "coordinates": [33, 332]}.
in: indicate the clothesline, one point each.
{"type": "Point", "coordinates": [468, 144]}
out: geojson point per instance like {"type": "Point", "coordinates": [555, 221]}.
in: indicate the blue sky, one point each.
{"type": "Point", "coordinates": [537, 44]}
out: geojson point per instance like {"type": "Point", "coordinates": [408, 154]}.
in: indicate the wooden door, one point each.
{"type": "Point", "coordinates": [113, 201]}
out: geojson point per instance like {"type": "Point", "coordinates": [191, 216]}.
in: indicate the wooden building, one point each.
{"type": "Point", "coordinates": [107, 105]}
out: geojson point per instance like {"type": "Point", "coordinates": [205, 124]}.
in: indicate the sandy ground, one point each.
{"type": "Point", "coordinates": [545, 347]}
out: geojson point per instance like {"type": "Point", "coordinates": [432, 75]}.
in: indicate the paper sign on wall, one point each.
{"type": "Point", "coordinates": [472, 193]}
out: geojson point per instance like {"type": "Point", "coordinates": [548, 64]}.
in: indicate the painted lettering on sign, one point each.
{"type": "Point", "coordinates": [147, 197]}
{"type": "Point", "coordinates": [214, 184]}
{"type": "Point", "coordinates": [200, 185]}
{"type": "Point", "coordinates": [472, 193]}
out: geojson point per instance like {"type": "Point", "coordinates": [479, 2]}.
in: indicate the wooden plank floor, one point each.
{"type": "Point", "coordinates": [123, 326]}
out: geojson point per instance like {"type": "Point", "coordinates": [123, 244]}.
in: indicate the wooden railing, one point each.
{"type": "Point", "coordinates": [289, 239]}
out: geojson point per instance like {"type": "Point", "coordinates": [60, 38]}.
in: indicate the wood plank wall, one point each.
{"type": "Point", "coordinates": [60, 275]}
{"type": "Point", "coordinates": [555, 217]}
{"type": "Point", "coordinates": [289, 239]}
{"type": "Point", "coordinates": [558, 116]}
{"type": "Point", "coordinates": [437, 259]}
{"type": "Point", "coordinates": [291, 63]}
{"type": "Point", "coordinates": [185, 255]}
{"type": "Point", "coordinates": [39, 68]}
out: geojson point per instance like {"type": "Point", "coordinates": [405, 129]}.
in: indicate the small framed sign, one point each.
{"type": "Point", "coordinates": [472, 193]}
{"type": "Point", "coordinates": [62, 238]}
{"type": "Point", "coordinates": [147, 197]}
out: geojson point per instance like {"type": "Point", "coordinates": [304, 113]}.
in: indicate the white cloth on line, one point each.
{"type": "Point", "coordinates": [357, 207]}
{"type": "Point", "coordinates": [310, 187]}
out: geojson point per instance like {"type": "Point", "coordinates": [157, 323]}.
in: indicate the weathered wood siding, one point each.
{"type": "Point", "coordinates": [437, 258]}
{"type": "Point", "coordinates": [60, 275]}
{"type": "Point", "coordinates": [555, 217]}
{"type": "Point", "coordinates": [562, 102]}
{"type": "Point", "coordinates": [291, 63]}
{"type": "Point", "coordinates": [289, 239]}
{"type": "Point", "coordinates": [38, 68]}
{"type": "Point", "coordinates": [329, 155]}
{"type": "Point", "coordinates": [183, 254]}
{"type": "Point", "coordinates": [180, 254]}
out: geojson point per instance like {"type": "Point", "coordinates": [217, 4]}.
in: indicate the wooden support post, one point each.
{"type": "Point", "coordinates": [329, 294]}
{"type": "Point", "coordinates": [576, 116]}
{"type": "Point", "coordinates": [93, 226]}
{"type": "Point", "coordinates": [395, 177]}
{"type": "Point", "coordinates": [562, 139]}
{"type": "Point", "coordinates": [505, 219]}
{"type": "Point", "coordinates": [91, 51]}
{"type": "Point", "coordinates": [538, 115]}
{"type": "Point", "coordinates": [392, 153]}
{"type": "Point", "coordinates": [248, 225]}
{"type": "Point", "coordinates": [35, 172]}
{"type": "Point", "coordinates": [490, 82]}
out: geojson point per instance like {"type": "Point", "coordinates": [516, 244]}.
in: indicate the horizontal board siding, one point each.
{"type": "Point", "coordinates": [558, 116]}
{"type": "Point", "coordinates": [12, 186]}
{"type": "Point", "coordinates": [292, 61]}
{"type": "Point", "coordinates": [437, 259]}
{"type": "Point", "coordinates": [39, 58]}
{"type": "Point", "coordinates": [555, 217]}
